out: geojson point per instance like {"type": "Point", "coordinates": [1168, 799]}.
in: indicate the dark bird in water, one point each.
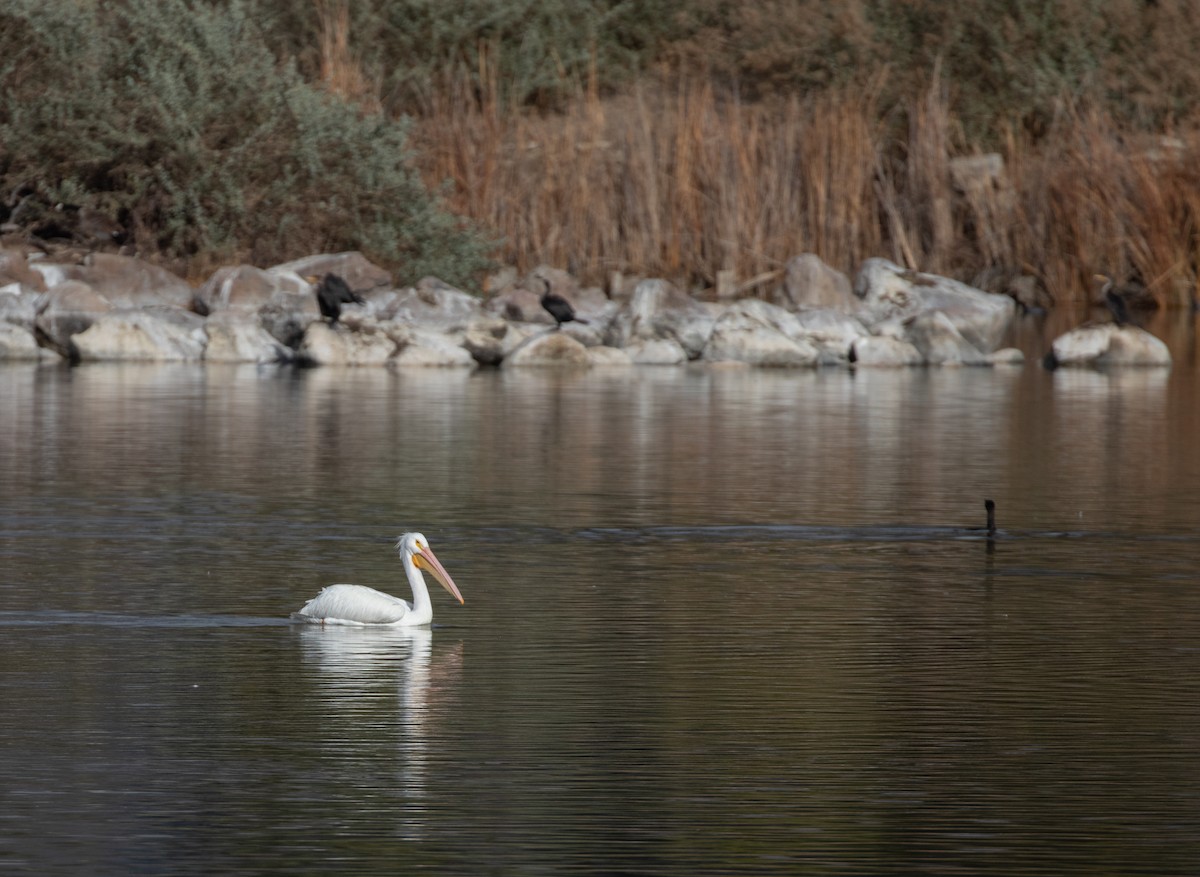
{"type": "Point", "coordinates": [558, 307]}
{"type": "Point", "coordinates": [332, 293]}
{"type": "Point", "coordinates": [1121, 300]}
{"type": "Point", "coordinates": [990, 530]}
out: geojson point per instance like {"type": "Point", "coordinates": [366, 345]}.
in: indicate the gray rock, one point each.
{"type": "Point", "coordinates": [125, 282]}
{"type": "Point", "coordinates": [1107, 344]}
{"type": "Point", "coordinates": [338, 345]}
{"type": "Point", "coordinates": [430, 303]}
{"type": "Point", "coordinates": [832, 332]}
{"type": "Point", "coordinates": [658, 310]}
{"type": "Point", "coordinates": [64, 311]}
{"type": "Point", "coordinates": [246, 289]}
{"type": "Point", "coordinates": [890, 292]}
{"type": "Point", "coordinates": [549, 349]}
{"type": "Point", "coordinates": [608, 356]}
{"type": "Point", "coordinates": [419, 346]}
{"type": "Point", "coordinates": [810, 283]}
{"type": "Point", "coordinates": [18, 344]}
{"type": "Point", "coordinates": [14, 268]}
{"type": "Point", "coordinates": [758, 333]}
{"type": "Point", "coordinates": [1007, 356]}
{"type": "Point", "coordinates": [884, 351]}
{"type": "Point", "coordinates": [360, 273]}
{"type": "Point", "coordinates": [19, 305]}
{"type": "Point", "coordinates": [518, 305]}
{"type": "Point", "coordinates": [656, 351]}
{"type": "Point", "coordinates": [940, 342]}
{"type": "Point", "coordinates": [238, 337]}
{"type": "Point", "coordinates": [158, 334]}
{"type": "Point", "coordinates": [485, 341]}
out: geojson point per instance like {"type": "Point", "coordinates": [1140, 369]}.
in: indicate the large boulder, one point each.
{"type": "Point", "coordinates": [810, 283]}
{"type": "Point", "coordinates": [360, 273]}
{"type": "Point", "coordinates": [889, 292]}
{"type": "Point", "coordinates": [124, 281]}
{"type": "Point", "coordinates": [940, 343]}
{"type": "Point", "coordinates": [518, 304]}
{"type": "Point", "coordinates": [18, 343]}
{"type": "Point", "coordinates": [655, 351]}
{"type": "Point", "coordinates": [832, 332]}
{"type": "Point", "coordinates": [757, 333]}
{"type": "Point", "coordinates": [158, 334]}
{"type": "Point", "coordinates": [238, 337]}
{"type": "Point", "coordinates": [549, 349]}
{"type": "Point", "coordinates": [246, 289]}
{"type": "Point", "coordinates": [324, 344]}
{"type": "Point", "coordinates": [609, 356]}
{"type": "Point", "coordinates": [14, 268]}
{"type": "Point", "coordinates": [19, 305]}
{"type": "Point", "coordinates": [64, 311]}
{"type": "Point", "coordinates": [884, 351]}
{"type": "Point", "coordinates": [659, 310]}
{"type": "Point", "coordinates": [424, 347]}
{"type": "Point", "coordinates": [1107, 344]}
{"type": "Point", "coordinates": [430, 303]}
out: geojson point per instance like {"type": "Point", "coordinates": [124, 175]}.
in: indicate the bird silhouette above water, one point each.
{"type": "Point", "coordinates": [332, 293]}
{"type": "Point", "coordinates": [558, 307]}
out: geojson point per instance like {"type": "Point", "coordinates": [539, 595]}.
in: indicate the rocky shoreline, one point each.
{"type": "Point", "coordinates": [108, 307]}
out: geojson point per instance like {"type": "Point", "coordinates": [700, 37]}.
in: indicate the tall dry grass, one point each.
{"type": "Point", "coordinates": [685, 181]}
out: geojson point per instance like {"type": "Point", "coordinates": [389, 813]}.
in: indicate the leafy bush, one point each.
{"type": "Point", "coordinates": [178, 118]}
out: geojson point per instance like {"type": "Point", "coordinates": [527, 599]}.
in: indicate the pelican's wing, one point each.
{"type": "Point", "coordinates": [353, 604]}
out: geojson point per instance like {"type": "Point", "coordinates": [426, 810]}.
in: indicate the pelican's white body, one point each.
{"type": "Point", "coordinates": [362, 606]}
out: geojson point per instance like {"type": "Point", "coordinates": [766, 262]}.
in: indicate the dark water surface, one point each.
{"type": "Point", "coordinates": [716, 622]}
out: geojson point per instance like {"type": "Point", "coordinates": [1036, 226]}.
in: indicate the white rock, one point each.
{"type": "Point", "coordinates": [1107, 344]}
{"type": "Point", "coordinates": [422, 347]}
{"type": "Point", "coordinates": [658, 310]}
{"type": "Point", "coordinates": [236, 338]}
{"type": "Point", "coordinates": [17, 343]}
{"type": "Point", "coordinates": [810, 283]}
{"type": "Point", "coordinates": [884, 351]}
{"type": "Point", "coordinates": [337, 345]}
{"type": "Point", "coordinates": [889, 292]}
{"type": "Point", "coordinates": [656, 351]}
{"type": "Point", "coordinates": [143, 334]}
{"type": "Point", "coordinates": [940, 342]}
{"type": "Point", "coordinates": [758, 333]}
{"type": "Point", "coordinates": [608, 356]}
{"type": "Point", "coordinates": [551, 348]}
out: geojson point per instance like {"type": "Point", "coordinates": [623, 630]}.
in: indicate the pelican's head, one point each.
{"type": "Point", "coordinates": [415, 547]}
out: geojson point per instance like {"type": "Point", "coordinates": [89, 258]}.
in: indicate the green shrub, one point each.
{"type": "Point", "coordinates": [177, 117]}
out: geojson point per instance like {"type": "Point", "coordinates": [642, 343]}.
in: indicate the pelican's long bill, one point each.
{"type": "Point", "coordinates": [426, 559]}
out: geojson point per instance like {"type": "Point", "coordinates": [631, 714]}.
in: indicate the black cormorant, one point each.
{"type": "Point", "coordinates": [1132, 296]}
{"type": "Point", "coordinates": [558, 307]}
{"type": "Point", "coordinates": [332, 293]}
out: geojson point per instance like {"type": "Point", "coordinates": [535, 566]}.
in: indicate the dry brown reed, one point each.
{"type": "Point", "coordinates": [341, 70]}
{"type": "Point", "coordinates": [685, 181]}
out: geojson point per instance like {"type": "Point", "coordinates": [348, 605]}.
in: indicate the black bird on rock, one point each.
{"type": "Point", "coordinates": [332, 293]}
{"type": "Point", "coordinates": [558, 307]}
{"type": "Point", "coordinates": [1121, 301]}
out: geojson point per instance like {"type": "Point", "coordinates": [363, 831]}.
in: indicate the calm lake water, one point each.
{"type": "Point", "coordinates": [716, 622]}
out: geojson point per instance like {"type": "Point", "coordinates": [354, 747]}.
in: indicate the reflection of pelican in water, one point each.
{"type": "Point", "coordinates": [385, 688]}
{"type": "Point", "coordinates": [356, 604]}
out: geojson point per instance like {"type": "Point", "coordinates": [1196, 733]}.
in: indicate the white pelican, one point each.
{"type": "Point", "coordinates": [355, 604]}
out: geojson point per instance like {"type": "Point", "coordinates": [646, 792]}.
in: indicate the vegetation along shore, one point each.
{"type": "Point", "coordinates": [1017, 147]}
